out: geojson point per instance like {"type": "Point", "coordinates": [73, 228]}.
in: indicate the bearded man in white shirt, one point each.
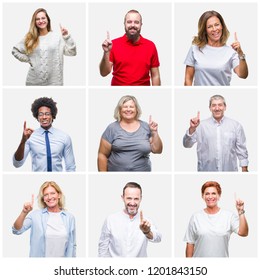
{"type": "Point", "coordinates": [127, 233]}
{"type": "Point", "coordinates": [221, 141]}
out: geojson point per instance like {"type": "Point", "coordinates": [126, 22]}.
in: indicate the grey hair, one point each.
{"type": "Point", "coordinates": [216, 96]}
{"type": "Point", "coordinates": [120, 104]}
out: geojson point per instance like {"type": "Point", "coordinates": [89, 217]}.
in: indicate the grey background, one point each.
{"type": "Point", "coordinates": [105, 198]}
{"type": "Point", "coordinates": [19, 189]}
{"type": "Point", "coordinates": [71, 118]}
{"type": "Point", "coordinates": [241, 106]}
{"type": "Point", "coordinates": [17, 18]}
{"type": "Point", "coordinates": [153, 101]}
{"type": "Point", "coordinates": [188, 201]}
{"type": "Point", "coordinates": [239, 17]}
{"type": "Point", "coordinates": [103, 17]}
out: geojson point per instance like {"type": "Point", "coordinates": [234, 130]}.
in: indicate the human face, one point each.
{"type": "Point", "coordinates": [132, 199]}
{"type": "Point", "coordinates": [128, 111]}
{"type": "Point", "coordinates": [211, 197]}
{"type": "Point", "coordinates": [41, 21]}
{"type": "Point", "coordinates": [133, 25]}
{"type": "Point", "coordinates": [51, 197]}
{"type": "Point", "coordinates": [44, 117]}
{"type": "Point", "coordinates": [214, 31]}
{"type": "Point", "coordinates": [217, 109]}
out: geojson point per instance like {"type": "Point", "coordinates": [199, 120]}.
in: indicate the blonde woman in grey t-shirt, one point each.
{"type": "Point", "coordinates": [126, 143]}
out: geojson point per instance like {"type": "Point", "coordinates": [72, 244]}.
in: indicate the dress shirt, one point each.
{"type": "Point", "coordinates": [122, 237]}
{"type": "Point", "coordinates": [61, 148]}
{"type": "Point", "coordinates": [37, 222]}
{"type": "Point", "coordinates": [219, 145]}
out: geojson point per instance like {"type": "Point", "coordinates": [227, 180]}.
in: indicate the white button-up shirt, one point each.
{"type": "Point", "coordinates": [219, 145]}
{"type": "Point", "coordinates": [122, 237]}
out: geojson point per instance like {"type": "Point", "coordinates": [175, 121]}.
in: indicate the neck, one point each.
{"type": "Point", "coordinates": [55, 209]}
{"type": "Point", "coordinates": [43, 32]}
{"type": "Point", "coordinates": [214, 43]}
{"type": "Point", "coordinates": [212, 210]}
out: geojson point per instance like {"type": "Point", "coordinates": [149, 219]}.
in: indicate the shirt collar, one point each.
{"type": "Point", "coordinates": [42, 130]}
{"type": "Point", "coordinates": [45, 210]}
{"type": "Point", "coordinates": [215, 121]}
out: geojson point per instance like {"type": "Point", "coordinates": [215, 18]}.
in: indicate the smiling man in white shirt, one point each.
{"type": "Point", "coordinates": [126, 233]}
{"type": "Point", "coordinates": [221, 141]}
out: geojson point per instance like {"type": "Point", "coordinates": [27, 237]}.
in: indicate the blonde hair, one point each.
{"type": "Point", "coordinates": [120, 104]}
{"type": "Point", "coordinates": [202, 38]}
{"type": "Point", "coordinates": [32, 37]}
{"type": "Point", "coordinates": [45, 185]}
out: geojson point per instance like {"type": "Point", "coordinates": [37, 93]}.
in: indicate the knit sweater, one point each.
{"type": "Point", "coordinates": [46, 61]}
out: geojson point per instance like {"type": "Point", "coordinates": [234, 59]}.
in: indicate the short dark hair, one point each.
{"type": "Point", "coordinates": [132, 185]}
{"type": "Point", "coordinates": [44, 102]}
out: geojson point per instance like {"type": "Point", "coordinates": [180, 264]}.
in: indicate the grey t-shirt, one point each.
{"type": "Point", "coordinates": [213, 65]}
{"type": "Point", "coordinates": [130, 150]}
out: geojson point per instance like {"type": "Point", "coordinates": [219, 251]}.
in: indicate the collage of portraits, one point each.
{"type": "Point", "coordinates": [129, 129]}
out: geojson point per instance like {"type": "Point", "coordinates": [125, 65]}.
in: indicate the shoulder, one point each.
{"type": "Point", "coordinates": [144, 125]}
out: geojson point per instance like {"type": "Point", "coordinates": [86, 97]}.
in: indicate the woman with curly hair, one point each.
{"type": "Point", "coordinates": [44, 50]}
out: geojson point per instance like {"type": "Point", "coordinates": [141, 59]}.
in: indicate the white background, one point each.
{"type": "Point", "coordinates": [171, 26]}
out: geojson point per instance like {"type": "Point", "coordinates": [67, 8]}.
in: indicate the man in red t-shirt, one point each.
{"type": "Point", "coordinates": [133, 59]}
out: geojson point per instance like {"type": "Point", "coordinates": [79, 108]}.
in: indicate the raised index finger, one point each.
{"type": "Point", "coordinates": [32, 201]}
{"type": "Point", "coordinates": [198, 115]}
{"type": "Point", "coordinates": [150, 118]}
{"type": "Point", "coordinates": [141, 217]}
{"type": "Point", "coordinates": [60, 26]}
{"type": "Point", "coordinates": [108, 36]}
{"type": "Point", "coordinates": [235, 35]}
{"type": "Point", "coordinates": [24, 125]}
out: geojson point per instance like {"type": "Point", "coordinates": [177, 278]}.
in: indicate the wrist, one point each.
{"type": "Point", "coordinates": [241, 212]}
{"type": "Point", "coordinates": [242, 56]}
{"type": "Point", "coordinates": [146, 232]}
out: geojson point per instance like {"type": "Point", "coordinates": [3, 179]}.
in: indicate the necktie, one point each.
{"type": "Point", "coordinates": [48, 150]}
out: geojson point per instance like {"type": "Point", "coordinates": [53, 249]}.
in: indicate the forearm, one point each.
{"type": "Point", "coordinates": [189, 250]}
{"type": "Point", "coordinates": [19, 154]}
{"type": "Point", "coordinates": [19, 221]}
{"type": "Point", "coordinates": [243, 226]}
{"type": "Point", "coordinates": [102, 162]}
{"type": "Point", "coordinates": [242, 69]}
{"type": "Point", "coordinates": [156, 143]}
{"type": "Point", "coordinates": [105, 66]}
{"type": "Point", "coordinates": [188, 82]}
{"type": "Point", "coordinates": [244, 169]}
{"type": "Point", "coordinates": [156, 80]}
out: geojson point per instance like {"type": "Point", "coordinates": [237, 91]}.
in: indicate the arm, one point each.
{"type": "Point", "coordinates": [105, 66]}
{"type": "Point", "coordinates": [189, 75]}
{"type": "Point", "coordinates": [68, 154]}
{"type": "Point", "coordinates": [103, 154]}
{"type": "Point", "coordinates": [241, 70]}
{"type": "Point", "coordinates": [155, 140]}
{"type": "Point", "coordinates": [188, 139]}
{"type": "Point", "coordinates": [19, 52]}
{"type": "Point", "coordinates": [241, 149]}
{"type": "Point", "coordinates": [189, 250]}
{"type": "Point", "coordinates": [149, 230]}
{"type": "Point", "coordinates": [243, 226]}
{"type": "Point", "coordinates": [104, 240]}
{"type": "Point", "coordinates": [27, 132]}
{"type": "Point", "coordinates": [28, 206]}
{"type": "Point", "coordinates": [155, 76]}
{"type": "Point", "coordinates": [70, 46]}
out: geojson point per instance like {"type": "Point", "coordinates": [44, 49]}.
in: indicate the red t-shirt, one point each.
{"type": "Point", "coordinates": [132, 62]}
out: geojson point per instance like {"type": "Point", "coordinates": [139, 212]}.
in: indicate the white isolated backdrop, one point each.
{"type": "Point", "coordinates": [157, 27]}
{"type": "Point", "coordinates": [241, 106]}
{"type": "Point", "coordinates": [17, 18]}
{"type": "Point", "coordinates": [19, 189]}
{"type": "Point", "coordinates": [71, 118]}
{"type": "Point", "coordinates": [105, 198]}
{"type": "Point", "coordinates": [239, 17]}
{"type": "Point", "coordinates": [153, 101]}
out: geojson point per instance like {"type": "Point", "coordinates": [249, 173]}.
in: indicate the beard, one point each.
{"type": "Point", "coordinates": [131, 211]}
{"type": "Point", "coordinates": [132, 37]}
